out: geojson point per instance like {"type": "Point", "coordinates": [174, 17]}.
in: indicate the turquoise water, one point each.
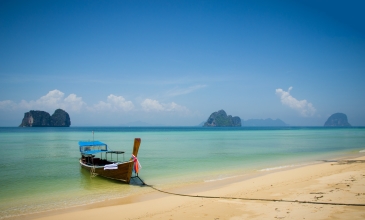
{"type": "Point", "coordinates": [39, 169]}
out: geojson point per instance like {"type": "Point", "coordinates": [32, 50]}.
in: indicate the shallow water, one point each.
{"type": "Point", "coordinates": [39, 168]}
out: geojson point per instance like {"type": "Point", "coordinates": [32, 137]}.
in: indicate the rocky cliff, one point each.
{"type": "Point", "coordinates": [60, 118]}
{"type": "Point", "coordinates": [36, 119]}
{"type": "Point", "coordinates": [221, 119]}
{"type": "Point", "coordinates": [337, 120]}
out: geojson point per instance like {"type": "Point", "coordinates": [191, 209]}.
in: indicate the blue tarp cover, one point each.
{"type": "Point", "coordinates": [90, 143]}
{"type": "Point", "coordinates": [92, 147]}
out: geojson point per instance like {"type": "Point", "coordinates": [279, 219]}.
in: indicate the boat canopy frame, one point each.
{"type": "Point", "coordinates": [90, 148]}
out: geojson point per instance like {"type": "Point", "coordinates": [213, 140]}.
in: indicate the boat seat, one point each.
{"type": "Point", "coordinates": [96, 161]}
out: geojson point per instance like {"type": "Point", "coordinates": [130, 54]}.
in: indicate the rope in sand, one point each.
{"type": "Point", "coordinates": [251, 199]}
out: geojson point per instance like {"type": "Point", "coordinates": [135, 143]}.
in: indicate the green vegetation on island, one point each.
{"type": "Point", "coordinates": [35, 118]}
{"type": "Point", "coordinates": [337, 120]}
{"type": "Point", "coordinates": [221, 119]}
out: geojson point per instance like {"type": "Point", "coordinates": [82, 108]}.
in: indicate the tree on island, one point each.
{"type": "Point", "coordinates": [337, 120]}
{"type": "Point", "coordinates": [221, 119]}
{"type": "Point", "coordinates": [36, 118]}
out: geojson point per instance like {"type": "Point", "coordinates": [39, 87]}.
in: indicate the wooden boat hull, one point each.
{"type": "Point", "coordinates": [123, 173]}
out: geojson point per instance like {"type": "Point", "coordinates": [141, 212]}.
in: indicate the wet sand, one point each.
{"type": "Point", "coordinates": [335, 182]}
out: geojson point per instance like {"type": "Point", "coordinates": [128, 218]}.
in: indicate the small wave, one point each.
{"type": "Point", "coordinates": [362, 151]}
{"type": "Point", "coordinates": [276, 168]}
{"type": "Point", "coordinates": [221, 178]}
{"type": "Point", "coordinates": [284, 167]}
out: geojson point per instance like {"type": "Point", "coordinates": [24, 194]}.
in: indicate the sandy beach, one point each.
{"type": "Point", "coordinates": [336, 182]}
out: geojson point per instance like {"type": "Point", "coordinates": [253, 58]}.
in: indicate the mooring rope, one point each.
{"type": "Point", "coordinates": [92, 172]}
{"type": "Point", "coordinates": [251, 199]}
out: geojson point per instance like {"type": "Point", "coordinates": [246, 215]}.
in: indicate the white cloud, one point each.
{"type": "Point", "coordinates": [73, 102]}
{"type": "Point", "coordinates": [151, 105]}
{"type": "Point", "coordinates": [304, 107]}
{"type": "Point", "coordinates": [178, 91]}
{"type": "Point", "coordinates": [53, 98]}
{"type": "Point", "coordinates": [8, 105]}
{"type": "Point", "coordinates": [51, 101]}
{"type": "Point", "coordinates": [56, 99]}
{"type": "Point", "coordinates": [154, 105]}
{"type": "Point", "coordinates": [114, 103]}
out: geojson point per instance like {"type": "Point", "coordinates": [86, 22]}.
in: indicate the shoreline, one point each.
{"type": "Point", "coordinates": [170, 160]}
{"type": "Point", "coordinates": [147, 204]}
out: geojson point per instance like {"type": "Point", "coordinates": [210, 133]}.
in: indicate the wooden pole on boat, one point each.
{"type": "Point", "coordinates": [137, 142]}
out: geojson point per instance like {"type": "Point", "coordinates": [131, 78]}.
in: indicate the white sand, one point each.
{"type": "Point", "coordinates": [330, 182]}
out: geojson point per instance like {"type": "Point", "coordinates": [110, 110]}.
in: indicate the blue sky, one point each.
{"type": "Point", "coordinates": [175, 62]}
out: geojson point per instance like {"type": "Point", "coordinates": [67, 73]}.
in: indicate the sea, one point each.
{"type": "Point", "coordinates": [40, 170]}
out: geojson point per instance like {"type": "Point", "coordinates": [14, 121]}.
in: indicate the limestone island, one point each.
{"type": "Point", "coordinates": [337, 120]}
{"type": "Point", "coordinates": [221, 119]}
{"type": "Point", "coordinates": [35, 118]}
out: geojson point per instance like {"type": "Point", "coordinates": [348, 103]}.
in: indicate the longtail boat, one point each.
{"type": "Point", "coordinates": [111, 165]}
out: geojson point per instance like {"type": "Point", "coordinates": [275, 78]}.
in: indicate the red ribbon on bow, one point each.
{"type": "Point", "coordinates": [136, 166]}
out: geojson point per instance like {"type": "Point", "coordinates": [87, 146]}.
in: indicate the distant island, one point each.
{"type": "Point", "coordinates": [337, 120]}
{"type": "Point", "coordinates": [35, 118]}
{"type": "Point", "coordinates": [221, 119]}
{"type": "Point", "coordinates": [263, 122]}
